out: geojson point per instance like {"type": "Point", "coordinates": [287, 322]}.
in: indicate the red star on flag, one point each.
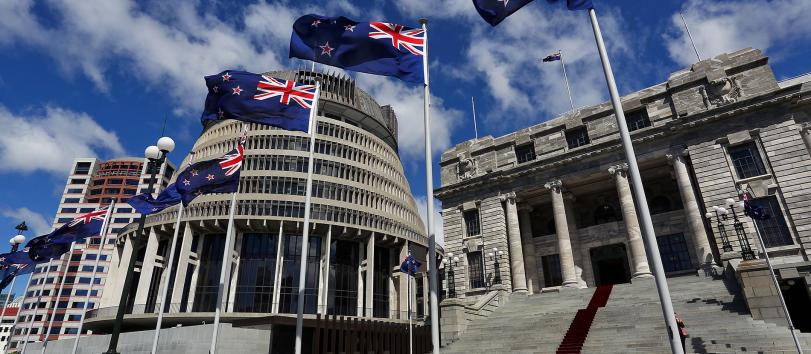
{"type": "Point", "coordinates": [316, 23]}
{"type": "Point", "coordinates": [210, 177]}
{"type": "Point", "coordinates": [226, 77]}
{"type": "Point", "coordinates": [237, 90]}
{"type": "Point", "coordinates": [326, 49]}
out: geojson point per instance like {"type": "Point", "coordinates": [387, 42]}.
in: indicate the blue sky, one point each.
{"type": "Point", "coordinates": [98, 77]}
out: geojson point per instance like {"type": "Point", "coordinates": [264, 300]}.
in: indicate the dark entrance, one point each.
{"type": "Point", "coordinates": [795, 292]}
{"type": "Point", "coordinates": [610, 264]}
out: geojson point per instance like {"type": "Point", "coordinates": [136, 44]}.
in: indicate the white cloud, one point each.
{"type": "Point", "coordinates": [51, 139]}
{"type": "Point", "coordinates": [722, 26]}
{"type": "Point", "coordinates": [35, 221]}
{"type": "Point", "coordinates": [438, 226]}
{"type": "Point", "coordinates": [437, 8]}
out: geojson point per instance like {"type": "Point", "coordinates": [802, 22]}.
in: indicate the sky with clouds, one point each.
{"type": "Point", "coordinates": [99, 77]}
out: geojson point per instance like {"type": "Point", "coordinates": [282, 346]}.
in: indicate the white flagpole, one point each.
{"type": "Point", "coordinates": [36, 308]}
{"type": "Point", "coordinates": [429, 196]}
{"type": "Point", "coordinates": [777, 288]}
{"type": "Point", "coordinates": [410, 327]}
{"type": "Point", "coordinates": [690, 36]}
{"type": "Point", "coordinates": [17, 318]}
{"type": "Point", "coordinates": [57, 296]}
{"type": "Point", "coordinates": [306, 233]}
{"type": "Point", "coordinates": [475, 128]}
{"type": "Point", "coordinates": [648, 234]}
{"type": "Point", "coordinates": [225, 269]}
{"type": "Point", "coordinates": [93, 276]}
{"type": "Point", "coordinates": [165, 292]}
{"type": "Point", "coordinates": [566, 78]}
{"type": "Point", "coordinates": [5, 304]}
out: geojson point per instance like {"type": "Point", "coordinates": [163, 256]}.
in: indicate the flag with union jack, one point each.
{"type": "Point", "coordinates": [495, 11]}
{"type": "Point", "coordinates": [378, 48]}
{"type": "Point", "coordinates": [255, 98]}
{"type": "Point", "coordinates": [220, 175]}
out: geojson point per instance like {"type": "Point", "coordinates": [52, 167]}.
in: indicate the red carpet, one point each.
{"type": "Point", "coordinates": [579, 329]}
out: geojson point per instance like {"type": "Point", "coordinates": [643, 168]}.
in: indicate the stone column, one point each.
{"type": "Point", "coordinates": [518, 276]}
{"type": "Point", "coordinates": [805, 131]}
{"type": "Point", "coordinates": [323, 282]}
{"type": "Point", "coordinates": [182, 261]}
{"type": "Point", "coordinates": [525, 219]}
{"type": "Point", "coordinates": [695, 220]}
{"type": "Point", "coordinates": [277, 276]}
{"type": "Point", "coordinates": [147, 268]}
{"type": "Point", "coordinates": [639, 258]}
{"type": "Point", "coordinates": [567, 269]}
{"type": "Point", "coordinates": [370, 276]}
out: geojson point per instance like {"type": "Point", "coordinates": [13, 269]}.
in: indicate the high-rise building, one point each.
{"type": "Point", "coordinates": [92, 184]}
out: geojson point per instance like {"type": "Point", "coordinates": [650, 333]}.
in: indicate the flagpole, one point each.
{"type": "Point", "coordinates": [475, 128]}
{"type": "Point", "coordinates": [306, 233]}
{"type": "Point", "coordinates": [225, 269]}
{"type": "Point", "coordinates": [36, 308]}
{"type": "Point", "coordinates": [410, 327]}
{"type": "Point", "coordinates": [17, 318]}
{"type": "Point", "coordinates": [777, 289]}
{"type": "Point", "coordinates": [566, 78]}
{"type": "Point", "coordinates": [5, 303]}
{"type": "Point", "coordinates": [58, 294]}
{"type": "Point", "coordinates": [93, 276]}
{"type": "Point", "coordinates": [690, 36]}
{"type": "Point", "coordinates": [429, 196]}
{"type": "Point", "coordinates": [165, 292]}
{"type": "Point", "coordinates": [648, 233]}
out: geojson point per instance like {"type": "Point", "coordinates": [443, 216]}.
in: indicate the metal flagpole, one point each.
{"type": "Point", "coordinates": [410, 328]}
{"type": "Point", "coordinates": [93, 276]}
{"type": "Point", "coordinates": [17, 318]}
{"type": "Point", "coordinates": [8, 295]}
{"type": "Point", "coordinates": [566, 78]}
{"type": "Point", "coordinates": [777, 288]}
{"type": "Point", "coordinates": [690, 36]}
{"type": "Point", "coordinates": [648, 233]}
{"type": "Point", "coordinates": [475, 128]}
{"type": "Point", "coordinates": [429, 196]}
{"type": "Point", "coordinates": [306, 233]}
{"type": "Point", "coordinates": [165, 292]}
{"type": "Point", "coordinates": [57, 295]}
{"type": "Point", "coordinates": [225, 269]}
{"type": "Point", "coordinates": [36, 307]}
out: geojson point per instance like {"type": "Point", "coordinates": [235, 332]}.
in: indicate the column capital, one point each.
{"type": "Point", "coordinates": [509, 197]}
{"type": "Point", "coordinates": [805, 129]}
{"type": "Point", "coordinates": [675, 155]}
{"type": "Point", "coordinates": [619, 170]}
{"type": "Point", "coordinates": [554, 185]}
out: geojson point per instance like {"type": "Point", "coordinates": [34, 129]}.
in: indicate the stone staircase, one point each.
{"type": "Point", "coordinates": [716, 319]}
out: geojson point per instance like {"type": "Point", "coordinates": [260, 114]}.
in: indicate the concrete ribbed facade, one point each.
{"type": "Point", "coordinates": [364, 220]}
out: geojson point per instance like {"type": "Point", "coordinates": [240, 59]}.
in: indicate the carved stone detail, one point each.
{"type": "Point", "coordinates": [554, 185]}
{"type": "Point", "coordinates": [466, 168]}
{"type": "Point", "coordinates": [620, 170]}
{"type": "Point", "coordinates": [720, 92]}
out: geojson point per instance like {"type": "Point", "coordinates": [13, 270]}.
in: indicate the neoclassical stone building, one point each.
{"type": "Point", "coordinates": [364, 221]}
{"type": "Point", "coordinates": [550, 205]}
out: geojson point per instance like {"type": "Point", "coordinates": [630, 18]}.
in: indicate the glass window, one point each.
{"type": "Point", "coordinates": [64, 220]}
{"type": "Point", "coordinates": [75, 190]}
{"type": "Point", "coordinates": [71, 200]}
{"type": "Point", "coordinates": [124, 210]}
{"type": "Point", "coordinates": [343, 278]}
{"type": "Point", "coordinates": [472, 225]}
{"type": "Point", "coordinates": [382, 276]}
{"type": "Point", "coordinates": [132, 182]}
{"type": "Point", "coordinates": [525, 152]}
{"type": "Point", "coordinates": [577, 137]}
{"type": "Point", "coordinates": [86, 210]}
{"type": "Point", "coordinates": [115, 181]}
{"type": "Point", "coordinates": [774, 229]}
{"type": "Point", "coordinates": [208, 278]}
{"type": "Point", "coordinates": [746, 159]}
{"type": "Point", "coordinates": [551, 270]}
{"type": "Point", "coordinates": [78, 181]}
{"type": "Point", "coordinates": [673, 249]}
{"type": "Point", "coordinates": [82, 168]}
{"type": "Point", "coordinates": [121, 220]}
{"type": "Point", "coordinates": [637, 119]}
{"type": "Point", "coordinates": [257, 271]}
{"type": "Point", "coordinates": [98, 182]}
{"type": "Point", "coordinates": [290, 269]}
{"type": "Point", "coordinates": [68, 210]}
{"type": "Point", "coordinates": [475, 270]}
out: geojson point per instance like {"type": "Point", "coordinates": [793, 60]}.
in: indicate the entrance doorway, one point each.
{"type": "Point", "coordinates": [610, 264]}
{"type": "Point", "coordinates": [795, 292]}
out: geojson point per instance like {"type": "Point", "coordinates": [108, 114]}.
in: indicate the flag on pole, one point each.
{"type": "Point", "coordinates": [261, 99]}
{"type": "Point", "coordinates": [145, 204]}
{"type": "Point", "coordinates": [495, 11]}
{"type": "Point", "coordinates": [410, 265]}
{"type": "Point", "coordinates": [378, 48]}
{"type": "Point", "coordinates": [220, 175]}
{"type": "Point", "coordinates": [10, 270]}
{"type": "Point", "coordinates": [552, 57]}
{"type": "Point", "coordinates": [752, 210]}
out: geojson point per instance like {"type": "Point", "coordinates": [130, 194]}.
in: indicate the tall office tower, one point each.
{"type": "Point", "coordinates": [91, 184]}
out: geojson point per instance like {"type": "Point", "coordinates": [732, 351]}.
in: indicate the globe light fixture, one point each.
{"type": "Point", "coordinates": [152, 152]}
{"type": "Point", "coordinates": [166, 144]}
{"type": "Point", "coordinates": [16, 240]}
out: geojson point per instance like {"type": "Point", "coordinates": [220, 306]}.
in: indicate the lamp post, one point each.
{"type": "Point", "coordinates": [720, 217]}
{"type": "Point", "coordinates": [450, 262]}
{"type": "Point", "coordinates": [495, 256]}
{"type": "Point", "coordinates": [156, 156]}
{"type": "Point", "coordinates": [746, 249]}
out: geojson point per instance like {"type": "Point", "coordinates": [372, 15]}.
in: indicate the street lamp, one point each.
{"type": "Point", "coordinates": [746, 249]}
{"type": "Point", "coordinates": [156, 154]}
{"type": "Point", "coordinates": [450, 262]}
{"type": "Point", "coordinates": [495, 256]}
{"type": "Point", "coordinates": [720, 216]}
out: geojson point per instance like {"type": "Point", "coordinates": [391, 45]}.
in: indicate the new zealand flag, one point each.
{"type": "Point", "coordinates": [219, 175]}
{"type": "Point", "coordinates": [495, 11]}
{"type": "Point", "coordinates": [410, 265]}
{"type": "Point", "coordinates": [378, 48]}
{"type": "Point", "coordinates": [145, 204]}
{"type": "Point", "coordinates": [259, 99]}
{"type": "Point", "coordinates": [10, 270]}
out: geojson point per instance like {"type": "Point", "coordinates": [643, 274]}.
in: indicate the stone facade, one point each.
{"type": "Point", "coordinates": [722, 126]}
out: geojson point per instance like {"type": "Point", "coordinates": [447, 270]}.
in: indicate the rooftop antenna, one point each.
{"type": "Point", "coordinates": [690, 36]}
{"type": "Point", "coordinates": [475, 128]}
{"type": "Point", "coordinates": [163, 129]}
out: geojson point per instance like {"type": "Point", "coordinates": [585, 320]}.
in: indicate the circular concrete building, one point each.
{"type": "Point", "coordinates": [364, 220]}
